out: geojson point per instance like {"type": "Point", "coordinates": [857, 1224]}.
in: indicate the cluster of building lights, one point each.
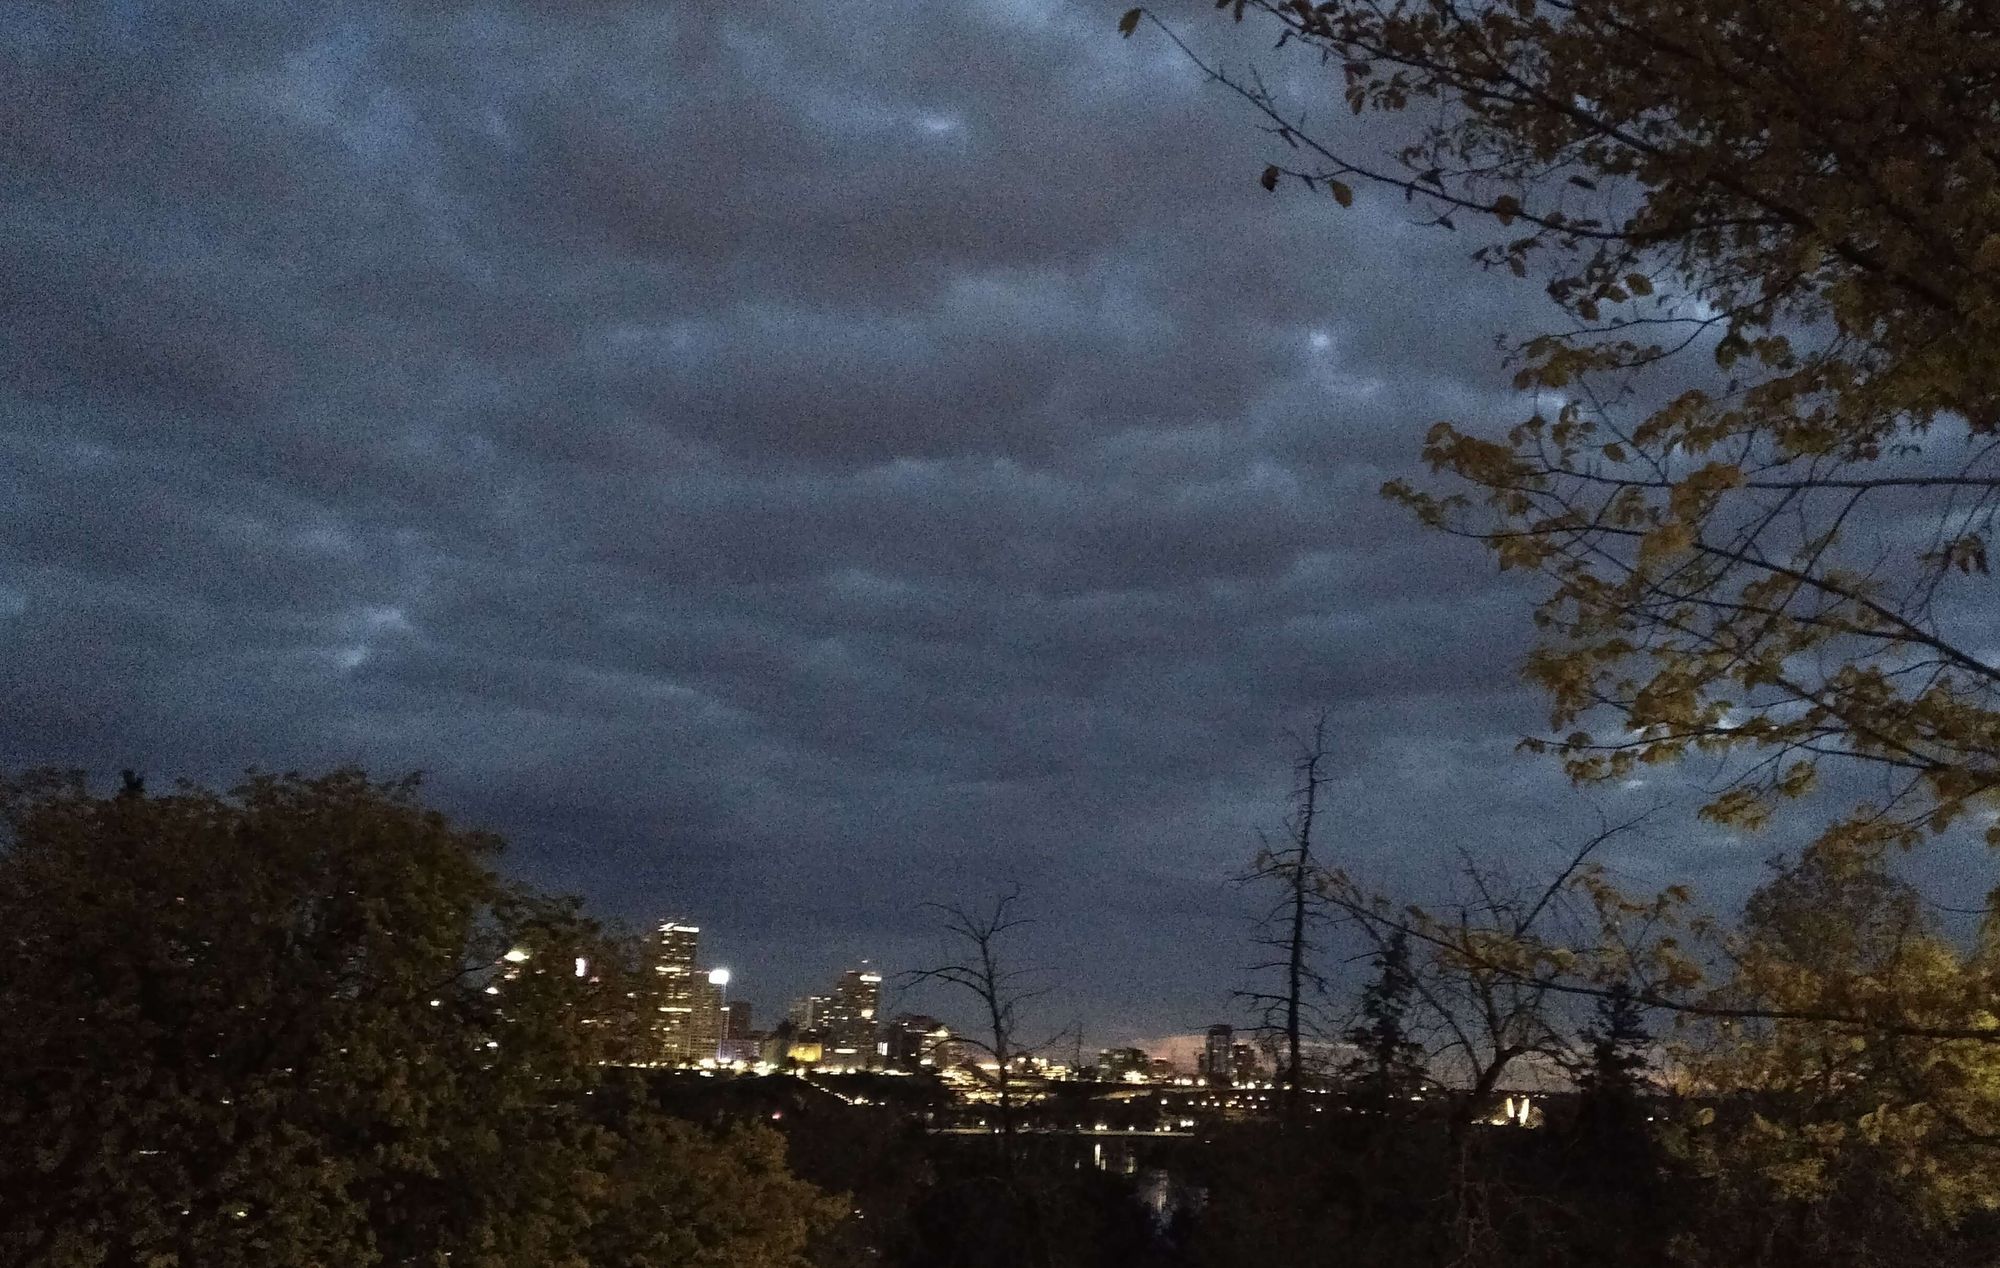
{"type": "Point", "coordinates": [843, 1032]}
{"type": "Point", "coordinates": [698, 1026]}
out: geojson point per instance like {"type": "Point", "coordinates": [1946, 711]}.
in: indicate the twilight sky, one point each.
{"type": "Point", "coordinates": [777, 463]}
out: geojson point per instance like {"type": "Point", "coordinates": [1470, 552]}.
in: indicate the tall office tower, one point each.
{"type": "Point", "coordinates": [1216, 1056]}
{"type": "Point", "coordinates": [741, 1044]}
{"type": "Point", "coordinates": [860, 992]}
{"type": "Point", "coordinates": [736, 1019]}
{"type": "Point", "coordinates": [850, 1020]}
{"type": "Point", "coordinates": [679, 983]}
{"type": "Point", "coordinates": [808, 1013]}
{"type": "Point", "coordinates": [705, 1022]}
{"type": "Point", "coordinates": [1122, 1065]}
{"type": "Point", "coordinates": [915, 1042]}
{"type": "Point", "coordinates": [1243, 1063]}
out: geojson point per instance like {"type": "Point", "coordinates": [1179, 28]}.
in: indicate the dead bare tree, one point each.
{"type": "Point", "coordinates": [1000, 991]}
{"type": "Point", "coordinates": [1289, 928]}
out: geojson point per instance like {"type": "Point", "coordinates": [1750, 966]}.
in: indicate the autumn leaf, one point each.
{"type": "Point", "coordinates": [1665, 542]}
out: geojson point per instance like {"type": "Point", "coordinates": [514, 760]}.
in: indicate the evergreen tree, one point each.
{"type": "Point", "coordinates": [1611, 1105]}
{"type": "Point", "coordinates": [1389, 1064]}
{"type": "Point", "coordinates": [1615, 1037]}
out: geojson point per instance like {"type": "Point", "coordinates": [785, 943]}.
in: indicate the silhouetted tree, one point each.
{"type": "Point", "coordinates": [999, 991]}
{"type": "Point", "coordinates": [1612, 1093]}
{"type": "Point", "coordinates": [1015, 1217]}
{"type": "Point", "coordinates": [1389, 1064]}
{"type": "Point", "coordinates": [1484, 973]}
{"type": "Point", "coordinates": [1291, 926]}
{"type": "Point", "coordinates": [1613, 1042]}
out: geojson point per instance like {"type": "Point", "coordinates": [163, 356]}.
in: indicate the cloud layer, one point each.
{"type": "Point", "coordinates": [779, 464]}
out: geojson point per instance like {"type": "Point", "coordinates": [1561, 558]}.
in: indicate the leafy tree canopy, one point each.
{"type": "Point", "coordinates": [305, 1023]}
{"type": "Point", "coordinates": [1838, 1108]}
{"type": "Point", "coordinates": [1774, 543]}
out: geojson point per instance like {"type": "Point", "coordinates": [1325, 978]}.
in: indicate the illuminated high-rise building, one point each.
{"type": "Point", "coordinates": [679, 947]}
{"type": "Point", "coordinates": [1243, 1064]}
{"type": "Point", "coordinates": [680, 990]}
{"type": "Point", "coordinates": [1218, 1054]}
{"type": "Point", "coordinates": [916, 1042]}
{"type": "Point", "coordinates": [809, 1012]}
{"type": "Point", "coordinates": [705, 1024]}
{"type": "Point", "coordinates": [850, 1017]}
{"type": "Point", "coordinates": [736, 1019]}
{"type": "Point", "coordinates": [1121, 1065]}
{"type": "Point", "coordinates": [860, 993]}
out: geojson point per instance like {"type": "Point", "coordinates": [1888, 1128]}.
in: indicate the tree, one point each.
{"type": "Point", "coordinates": [1612, 1095]}
{"type": "Point", "coordinates": [1293, 924]}
{"type": "Point", "coordinates": [1874, 1115]}
{"type": "Point", "coordinates": [305, 1023]}
{"type": "Point", "coordinates": [1388, 1064]}
{"type": "Point", "coordinates": [999, 990]}
{"type": "Point", "coordinates": [1612, 1046]}
{"type": "Point", "coordinates": [1485, 972]}
{"type": "Point", "coordinates": [1014, 1218]}
{"type": "Point", "coordinates": [1783, 554]}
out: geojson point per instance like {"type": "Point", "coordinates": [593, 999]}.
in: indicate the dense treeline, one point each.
{"type": "Point", "coordinates": [1595, 1183]}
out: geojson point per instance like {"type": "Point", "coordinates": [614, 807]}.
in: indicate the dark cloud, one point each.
{"type": "Point", "coordinates": [779, 464]}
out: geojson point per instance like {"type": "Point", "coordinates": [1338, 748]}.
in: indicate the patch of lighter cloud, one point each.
{"type": "Point", "coordinates": [348, 659]}
{"type": "Point", "coordinates": [378, 620]}
{"type": "Point", "coordinates": [1264, 475]}
{"type": "Point", "coordinates": [679, 338]}
{"type": "Point", "coordinates": [364, 627]}
{"type": "Point", "coordinates": [866, 584]}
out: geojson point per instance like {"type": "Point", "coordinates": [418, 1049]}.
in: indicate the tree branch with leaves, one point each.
{"type": "Point", "coordinates": [1778, 554]}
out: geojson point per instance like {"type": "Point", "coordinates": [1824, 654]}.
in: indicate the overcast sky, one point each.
{"type": "Point", "coordinates": [777, 463]}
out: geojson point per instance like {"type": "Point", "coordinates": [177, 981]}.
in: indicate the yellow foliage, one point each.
{"type": "Point", "coordinates": [1786, 561]}
{"type": "Point", "coordinates": [1806, 190]}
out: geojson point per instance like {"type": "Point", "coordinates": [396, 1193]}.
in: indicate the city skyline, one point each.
{"type": "Point", "coordinates": [677, 942]}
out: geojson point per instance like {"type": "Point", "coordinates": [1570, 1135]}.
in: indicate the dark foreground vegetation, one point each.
{"type": "Point", "coordinates": [306, 1024]}
{"type": "Point", "coordinates": [1598, 1182]}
